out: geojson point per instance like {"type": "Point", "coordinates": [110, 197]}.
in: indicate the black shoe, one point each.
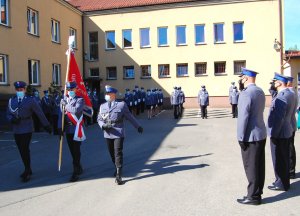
{"type": "Point", "coordinates": [74, 177]}
{"type": "Point", "coordinates": [248, 201]}
{"type": "Point", "coordinates": [292, 175]}
{"type": "Point", "coordinates": [119, 180]}
{"type": "Point", "coordinates": [276, 188]}
{"type": "Point", "coordinates": [26, 173]}
{"type": "Point", "coordinates": [26, 178]}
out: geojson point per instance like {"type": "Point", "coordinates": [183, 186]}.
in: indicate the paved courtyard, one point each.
{"type": "Point", "coordinates": [182, 167]}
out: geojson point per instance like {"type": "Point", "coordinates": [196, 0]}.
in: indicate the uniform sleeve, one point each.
{"type": "Point", "coordinates": [130, 117]}
{"type": "Point", "coordinates": [99, 118]}
{"type": "Point", "coordinates": [199, 101]}
{"type": "Point", "coordinates": [39, 112]}
{"type": "Point", "coordinates": [244, 106]}
{"type": "Point", "coordinates": [9, 115]}
{"type": "Point", "coordinates": [276, 117]}
{"type": "Point", "coordinates": [78, 108]}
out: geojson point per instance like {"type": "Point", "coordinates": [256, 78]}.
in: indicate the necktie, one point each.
{"type": "Point", "coordinates": [19, 101]}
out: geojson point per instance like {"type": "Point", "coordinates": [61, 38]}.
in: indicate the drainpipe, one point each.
{"type": "Point", "coordinates": [281, 35]}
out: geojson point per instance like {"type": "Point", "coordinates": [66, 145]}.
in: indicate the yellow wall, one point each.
{"type": "Point", "coordinates": [21, 46]}
{"type": "Point", "coordinates": [261, 27]}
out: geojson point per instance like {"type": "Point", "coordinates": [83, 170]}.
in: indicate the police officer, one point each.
{"type": "Point", "coordinates": [251, 135]}
{"type": "Point", "coordinates": [19, 114]}
{"type": "Point", "coordinates": [47, 105]}
{"type": "Point", "coordinates": [203, 100]}
{"type": "Point", "coordinates": [160, 100]}
{"type": "Point", "coordinates": [128, 99]}
{"type": "Point", "coordinates": [149, 101]}
{"type": "Point", "coordinates": [138, 99]}
{"type": "Point", "coordinates": [280, 131]}
{"type": "Point", "coordinates": [111, 121]}
{"type": "Point", "coordinates": [181, 101]}
{"type": "Point", "coordinates": [73, 115]}
{"type": "Point", "coordinates": [230, 91]}
{"type": "Point", "coordinates": [36, 121]}
{"type": "Point", "coordinates": [96, 104]}
{"type": "Point", "coordinates": [234, 98]}
{"type": "Point", "coordinates": [294, 126]}
{"type": "Point", "coordinates": [175, 102]}
{"type": "Point", "coordinates": [143, 97]}
{"type": "Point", "coordinates": [155, 102]}
{"type": "Point", "coordinates": [55, 111]}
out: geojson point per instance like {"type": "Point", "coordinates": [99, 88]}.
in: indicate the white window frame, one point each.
{"type": "Point", "coordinates": [145, 46]}
{"type": "Point", "coordinates": [127, 47]}
{"type": "Point", "coordinates": [204, 42]}
{"type": "Point", "coordinates": [6, 14]}
{"type": "Point", "coordinates": [239, 22]}
{"type": "Point", "coordinates": [56, 72]}
{"type": "Point", "coordinates": [223, 41]}
{"type": "Point", "coordinates": [163, 76]}
{"type": "Point", "coordinates": [5, 68]}
{"type": "Point", "coordinates": [35, 30]}
{"type": "Point", "coordinates": [106, 40]}
{"type": "Point", "coordinates": [73, 32]}
{"type": "Point", "coordinates": [149, 71]}
{"type": "Point", "coordinates": [124, 74]}
{"type": "Point", "coordinates": [31, 71]}
{"type": "Point", "coordinates": [181, 44]}
{"type": "Point", "coordinates": [55, 25]}
{"type": "Point", "coordinates": [162, 45]}
{"type": "Point", "coordinates": [187, 69]}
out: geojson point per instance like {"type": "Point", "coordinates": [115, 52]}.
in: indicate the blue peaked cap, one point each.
{"type": "Point", "coordinates": [110, 89]}
{"type": "Point", "coordinates": [280, 77]}
{"type": "Point", "coordinates": [248, 72]}
{"type": "Point", "coordinates": [71, 85]}
{"type": "Point", "coordinates": [20, 84]}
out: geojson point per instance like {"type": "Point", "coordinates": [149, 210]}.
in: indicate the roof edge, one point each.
{"type": "Point", "coordinates": [70, 6]}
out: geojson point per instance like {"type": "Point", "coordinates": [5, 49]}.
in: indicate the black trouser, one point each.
{"type": "Point", "coordinates": [138, 107]}
{"type": "Point", "coordinates": [254, 165]}
{"type": "Point", "coordinates": [203, 111]}
{"type": "Point", "coordinates": [231, 108]}
{"type": "Point", "coordinates": [292, 155]}
{"type": "Point", "coordinates": [95, 115]}
{"type": "Point", "coordinates": [115, 148]}
{"type": "Point", "coordinates": [234, 110]}
{"type": "Point", "coordinates": [74, 147]}
{"type": "Point", "coordinates": [130, 108]}
{"type": "Point", "coordinates": [48, 117]}
{"type": "Point", "coordinates": [176, 110]}
{"type": "Point", "coordinates": [36, 122]}
{"type": "Point", "coordinates": [54, 120]}
{"type": "Point", "coordinates": [142, 107]}
{"type": "Point", "coordinates": [180, 109]}
{"type": "Point", "coordinates": [23, 142]}
{"type": "Point", "coordinates": [280, 150]}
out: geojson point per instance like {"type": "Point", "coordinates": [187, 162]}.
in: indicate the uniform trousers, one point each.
{"type": "Point", "coordinates": [23, 142]}
{"type": "Point", "coordinates": [203, 111]}
{"type": "Point", "coordinates": [292, 155]}
{"type": "Point", "coordinates": [280, 150]}
{"type": "Point", "coordinates": [176, 111]}
{"type": "Point", "coordinates": [180, 109]}
{"type": "Point", "coordinates": [115, 148]}
{"type": "Point", "coordinates": [54, 120]}
{"type": "Point", "coordinates": [95, 115]}
{"type": "Point", "coordinates": [74, 147]}
{"type": "Point", "coordinates": [142, 107]}
{"type": "Point", "coordinates": [254, 165]}
{"type": "Point", "coordinates": [234, 110]}
{"type": "Point", "coordinates": [36, 123]}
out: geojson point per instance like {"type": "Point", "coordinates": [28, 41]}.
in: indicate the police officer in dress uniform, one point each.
{"type": "Point", "coordinates": [181, 101]}
{"type": "Point", "coordinates": [111, 121]}
{"type": "Point", "coordinates": [73, 115]}
{"type": "Point", "coordinates": [55, 111]}
{"type": "Point", "coordinates": [234, 98]}
{"type": "Point", "coordinates": [19, 114]}
{"type": "Point", "coordinates": [203, 100]}
{"type": "Point", "coordinates": [128, 99]}
{"type": "Point", "coordinates": [294, 126]}
{"type": "Point", "coordinates": [160, 100]}
{"type": "Point", "coordinates": [47, 105]}
{"type": "Point", "coordinates": [36, 121]}
{"type": "Point", "coordinates": [96, 104]}
{"type": "Point", "coordinates": [280, 131]}
{"type": "Point", "coordinates": [251, 135]}
{"type": "Point", "coordinates": [149, 101]}
{"type": "Point", "coordinates": [143, 97]}
{"type": "Point", "coordinates": [175, 102]}
{"type": "Point", "coordinates": [230, 91]}
{"type": "Point", "coordinates": [139, 99]}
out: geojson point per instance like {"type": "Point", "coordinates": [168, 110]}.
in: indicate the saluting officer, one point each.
{"type": "Point", "coordinates": [47, 105]}
{"type": "Point", "coordinates": [234, 98]}
{"type": "Point", "coordinates": [111, 121]}
{"type": "Point", "coordinates": [294, 126]}
{"type": "Point", "coordinates": [280, 131]}
{"type": "Point", "coordinates": [73, 115]}
{"type": "Point", "coordinates": [175, 102]}
{"type": "Point", "coordinates": [19, 113]}
{"type": "Point", "coordinates": [203, 100]}
{"type": "Point", "coordinates": [251, 135]}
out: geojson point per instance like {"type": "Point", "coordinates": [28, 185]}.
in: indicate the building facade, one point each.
{"type": "Point", "coordinates": [185, 44]}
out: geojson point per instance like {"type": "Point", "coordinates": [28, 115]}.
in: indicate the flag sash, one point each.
{"type": "Point", "coordinates": [79, 132]}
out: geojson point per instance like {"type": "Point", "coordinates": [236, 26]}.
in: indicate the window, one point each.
{"type": "Point", "coordinates": [55, 31]}
{"type": "Point", "coordinates": [145, 71]}
{"type": "Point", "coordinates": [220, 67]}
{"type": "Point", "coordinates": [94, 72]}
{"type": "Point", "coordinates": [127, 38]}
{"type": "Point", "coordinates": [73, 33]}
{"type": "Point", "coordinates": [164, 70]}
{"type": "Point", "coordinates": [32, 21]}
{"type": "Point", "coordinates": [199, 34]}
{"type": "Point", "coordinates": [3, 69]}
{"type": "Point", "coordinates": [56, 74]}
{"type": "Point", "coordinates": [33, 71]}
{"type": "Point", "coordinates": [181, 35]}
{"type": "Point", "coordinates": [111, 73]}
{"type": "Point", "coordinates": [219, 32]}
{"type": "Point", "coordinates": [182, 70]}
{"type": "Point", "coordinates": [110, 40]}
{"type": "Point", "coordinates": [162, 36]}
{"type": "Point", "coordinates": [145, 37]}
{"type": "Point", "coordinates": [93, 45]}
{"type": "Point", "coordinates": [4, 12]}
{"type": "Point", "coordinates": [238, 31]}
{"type": "Point", "coordinates": [200, 68]}
{"type": "Point", "coordinates": [238, 66]}
{"type": "Point", "coordinates": [128, 72]}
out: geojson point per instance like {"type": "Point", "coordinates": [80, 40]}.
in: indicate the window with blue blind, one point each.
{"type": "Point", "coordinates": [219, 32]}
{"type": "Point", "coordinates": [162, 36]}
{"type": "Point", "coordinates": [238, 31]}
{"type": "Point", "coordinates": [181, 35]}
{"type": "Point", "coordinates": [199, 34]}
{"type": "Point", "coordinates": [182, 70]}
{"type": "Point", "coordinates": [145, 37]}
{"type": "Point", "coordinates": [128, 72]}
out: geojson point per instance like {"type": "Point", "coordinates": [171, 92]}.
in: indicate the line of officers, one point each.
{"type": "Point", "coordinates": [252, 133]}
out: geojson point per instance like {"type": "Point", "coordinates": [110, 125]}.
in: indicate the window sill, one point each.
{"type": "Point", "coordinates": [110, 49]}
{"type": "Point", "coordinates": [221, 42]}
{"type": "Point", "coordinates": [145, 47]}
{"type": "Point", "coordinates": [221, 74]}
{"type": "Point", "coordinates": [164, 77]}
{"type": "Point", "coordinates": [237, 74]}
{"type": "Point", "coordinates": [34, 35]}
{"type": "Point", "coordinates": [4, 84]}
{"type": "Point", "coordinates": [181, 45]}
{"type": "Point", "coordinates": [242, 41]}
{"type": "Point", "coordinates": [93, 60]}
{"type": "Point", "coordinates": [35, 85]}
{"type": "Point", "coordinates": [128, 78]}
{"type": "Point", "coordinates": [182, 76]}
{"type": "Point", "coordinates": [163, 45]}
{"type": "Point", "coordinates": [201, 75]}
{"type": "Point", "coordinates": [56, 42]}
{"type": "Point", "coordinates": [4, 25]}
{"type": "Point", "coordinates": [199, 44]}
{"type": "Point", "coordinates": [111, 78]}
{"type": "Point", "coordinates": [148, 77]}
{"type": "Point", "coordinates": [125, 48]}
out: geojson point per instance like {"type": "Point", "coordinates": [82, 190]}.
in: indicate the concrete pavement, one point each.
{"type": "Point", "coordinates": [188, 166]}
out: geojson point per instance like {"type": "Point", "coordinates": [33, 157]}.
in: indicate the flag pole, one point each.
{"type": "Point", "coordinates": [63, 107]}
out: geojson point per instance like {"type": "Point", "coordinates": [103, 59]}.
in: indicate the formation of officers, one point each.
{"type": "Point", "coordinates": [252, 133]}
